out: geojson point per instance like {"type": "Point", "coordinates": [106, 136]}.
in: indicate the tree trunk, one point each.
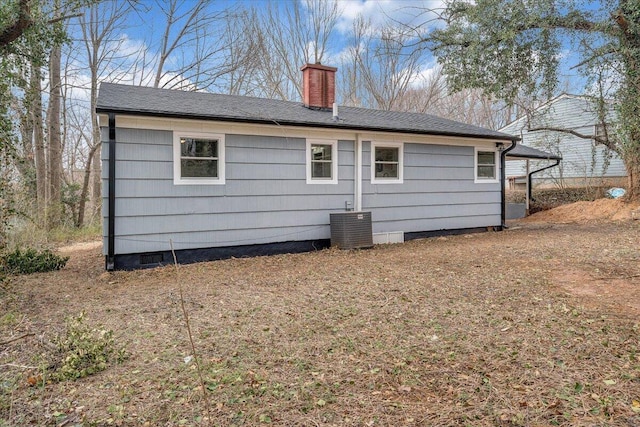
{"type": "Point", "coordinates": [38, 141]}
{"type": "Point", "coordinates": [55, 141]}
{"type": "Point", "coordinates": [96, 185]}
{"type": "Point", "coordinates": [96, 141]}
{"type": "Point", "coordinates": [632, 164]}
{"type": "Point", "coordinates": [85, 186]}
{"type": "Point", "coordinates": [26, 163]}
{"type": "Point", "coordinates": [629, 12]}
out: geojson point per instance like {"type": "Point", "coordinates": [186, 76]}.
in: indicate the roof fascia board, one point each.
{"type": "Point", "coordinates": [525, 157]}
{"type": "Point", "coordinates": [291, 131]}
{"type": "Point", "coordinates": [334, 127]}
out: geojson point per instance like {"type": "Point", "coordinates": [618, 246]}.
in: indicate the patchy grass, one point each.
{"type": "Point", "coordinates": [26, 234]}
{"type": "Point", "coordinates": [478, 330]}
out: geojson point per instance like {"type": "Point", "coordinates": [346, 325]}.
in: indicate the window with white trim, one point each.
{"type": "Point", "coordinates": [322, 161]}
{"type": "Point", "coordinates": [486, 165]}
{"type": "Point", "coordinates": [600, 130]}
{"type": "Point", "coordinates": [198, 158]}
{"type": "Point", "coordinates": [387, 162]}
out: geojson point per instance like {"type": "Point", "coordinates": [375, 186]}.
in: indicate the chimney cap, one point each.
{"type": "Point", "coordinates": [318, 66]}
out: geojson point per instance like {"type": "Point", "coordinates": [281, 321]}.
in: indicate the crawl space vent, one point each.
{"type": "Point", "coordinates": [351, 230]}
{"type": "Point", "coordinates": [152, 258]}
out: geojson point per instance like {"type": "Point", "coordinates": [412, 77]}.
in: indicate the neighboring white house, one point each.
{"type": "Point", "coordinates": [584, 162]}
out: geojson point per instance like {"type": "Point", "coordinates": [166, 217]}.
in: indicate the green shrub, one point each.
{"type": "Point", "coordinates": [84, 350]}
{"type": "Point", "coordinates": [32, 261]}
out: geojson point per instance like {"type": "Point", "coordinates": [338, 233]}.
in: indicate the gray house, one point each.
{"type": "Point", "coordinates": [584, 162]}
{"type": "Point", "coordinates": [222, 176]}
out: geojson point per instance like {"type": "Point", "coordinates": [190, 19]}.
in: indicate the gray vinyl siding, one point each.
{"type": "Point", "coordinates": [581, 158]}
{"type": "Point", "coordinates": [438, 192]}
{"type": "Point", "coordinates": [265, 198]}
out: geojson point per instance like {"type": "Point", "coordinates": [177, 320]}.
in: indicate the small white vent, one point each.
{"type": "Point", "coordinates": [391, 237]}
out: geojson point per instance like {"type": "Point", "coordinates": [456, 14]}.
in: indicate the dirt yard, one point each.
{"type": "Point", "coordinates": [538, 325]}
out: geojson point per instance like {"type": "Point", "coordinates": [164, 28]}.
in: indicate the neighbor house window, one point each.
{"type": "Point", "coordinates": [486, 166]}
{"type": "Point", "coordinates": [322, 161]}
{"type": "Point", "coordinates": [600, 130]}
{"type": "Point", "coordinates": [198, 158]}
{"type": "Point", "coordinates": [386, 162]}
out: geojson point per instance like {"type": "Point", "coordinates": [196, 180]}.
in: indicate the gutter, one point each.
{"type": "Point", "coordinates": [322, 125]}
{"type": "Point", "coordinates": [503, 189]}
{"type": "Point", "coordinates": [111, 227]}
{"type": "Point", "coordinates": [530, 180]}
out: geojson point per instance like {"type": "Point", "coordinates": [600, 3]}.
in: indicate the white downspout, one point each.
{"type": "Point", "coordinates": [357, 184]}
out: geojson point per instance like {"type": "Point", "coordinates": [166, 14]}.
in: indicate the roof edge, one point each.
{"type": "Point", "coordinates": [105, 110]}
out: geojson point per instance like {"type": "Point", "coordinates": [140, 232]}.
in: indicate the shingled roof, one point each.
{"type": "Point", "coordinates": [146, 101]}
{"type": "Point", "coordinates": [523, 152]}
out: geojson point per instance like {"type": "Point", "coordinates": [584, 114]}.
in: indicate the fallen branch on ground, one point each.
{"type": "Point", "coordinates": [16, 338]}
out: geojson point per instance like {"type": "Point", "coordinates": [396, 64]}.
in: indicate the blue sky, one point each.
{"type": "Point", "coordinates": [143, 30]}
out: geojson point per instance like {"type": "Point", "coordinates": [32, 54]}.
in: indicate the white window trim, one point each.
{"type": "Point", "coordinates": [400, 147]}
{"type": "Point", "coordinates": [334, 161]}
{"type": "Point", "coordinates": [479, 180]}
{"type": "Point", "coordinates": [178, 179]}
{"type": "Point", "coordinates": [600, 126]}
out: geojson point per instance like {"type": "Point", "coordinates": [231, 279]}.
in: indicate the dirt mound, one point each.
{"type": "Point", "coordinates": [597, 210]}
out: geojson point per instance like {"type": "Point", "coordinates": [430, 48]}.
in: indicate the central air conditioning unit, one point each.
{"type": "Point", "coordinates": [351, 230]}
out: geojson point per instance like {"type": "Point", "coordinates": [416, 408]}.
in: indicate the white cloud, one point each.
{"type": "Point", "coordinates": [428, 72]}
{"type": "Point", "coordinates": [379, 12]}
{"type": "Point", "coordinates": [127, 47]}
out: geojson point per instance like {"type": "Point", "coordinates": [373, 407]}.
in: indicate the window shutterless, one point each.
{"type": "Point", "coordinates": [198, 159]}
{"type": "Point", "coordinates": [322, 161]}
{"type": "Point", "coordinates": [386, 162]}
{"type": "Point", "coordinates": [486, 166]}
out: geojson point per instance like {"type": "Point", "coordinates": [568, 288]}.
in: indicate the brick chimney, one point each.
{"type": "Point", "coordinates": [318, 86]}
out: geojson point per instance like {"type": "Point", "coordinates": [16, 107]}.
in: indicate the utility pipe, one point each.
{"type": "Point", "coordinates": [357, 185]}
{"type": "Point", "coordinates": [503, 198]}
{"type": "Point", "coordinates": [530, 181]}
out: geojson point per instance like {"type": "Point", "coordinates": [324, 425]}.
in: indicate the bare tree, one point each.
{"type": "Point", "coordinates": [100, 25]}
{"type": "Point", "coordinates": [35, 95]}
{"type": "Point", "coordinates": [242, 53]}
{"type": "Point", "coordinates": [291, 36]}
{"type": "Point", "coordinates": [54, 146]}
{"type": "Point", "coordinates": [192, 39]}
{"type": "Point", "coordinates": [426, 94]}
{"type": "Point", "coordinates": [386, 64]}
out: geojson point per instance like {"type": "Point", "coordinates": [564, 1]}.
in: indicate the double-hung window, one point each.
{"type": "Point", "coordinates": [386, 162]}
{"type": "Point", "coordinates": [198, 158]}
{"type": "Point", "coordinates": [486, 165]}
{"type": "Point", "coordinates": [322, 161]}
{"type": "Point", "coordinates": [601, 130]}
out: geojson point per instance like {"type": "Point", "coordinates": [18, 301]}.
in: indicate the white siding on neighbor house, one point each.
{"type": "Point", "coordinates": [266, 199]}
{"type": "Point", "coordinates": [581, 158]}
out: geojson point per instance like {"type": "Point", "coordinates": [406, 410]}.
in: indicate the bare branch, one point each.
{"type": "Point", "coordinates": [5, 342]}
{"type": "Point", "coordinates": [598, 139]}
{"type": "Point", "coordinates": [63, 18]}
